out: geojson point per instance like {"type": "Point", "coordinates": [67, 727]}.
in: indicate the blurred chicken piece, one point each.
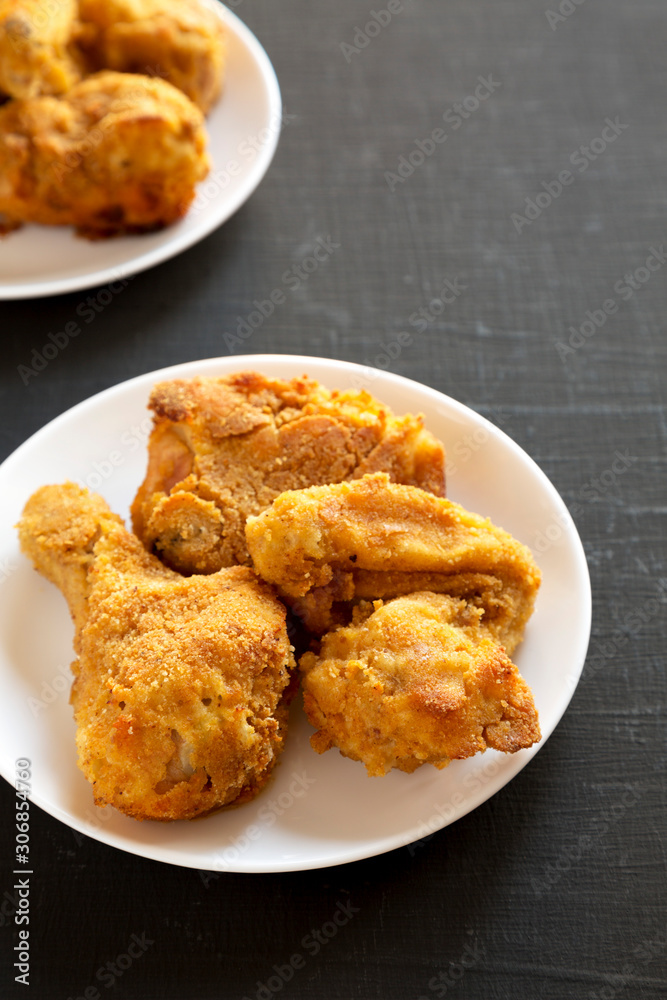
{"type": "Point", "coordinates": [182, 41]}
{"type": "Point", "coordinates": [416, 681]}
{"type": "Point", "coordinates": [374, 539]}
{"type": "Point", "coordinates": [118, 154]}
{"type": "Point", "coordinates": [225, 448]}
{"type": "Point", "coordinates": [35, 56]}
{"type": "Point", "coordinates": [179, 684]}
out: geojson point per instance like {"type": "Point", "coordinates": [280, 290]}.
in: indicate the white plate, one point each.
{"type": "Point", "coordinates": [243, 129]}
{"type": "Point", "coordinates": [317, 810]}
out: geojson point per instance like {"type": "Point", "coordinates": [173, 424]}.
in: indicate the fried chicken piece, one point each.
{"type": "Point", "coordinates": [180, 40]}
{"type": "Point", "coordinates": [225, 448]}
{"type": "Point", "coordinates": [416, 681]}
{"type": "Point", "coordinates": [35, 50]}
{"type": "Point", "coordinates": [375, 539]}
{"type": "Point", "coordinates": [179, 690]}
{"type": "Point", "coordinates": [117, 154]}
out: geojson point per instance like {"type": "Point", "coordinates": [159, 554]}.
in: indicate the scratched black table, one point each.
{"type": "Point", "coordinates": [493, 174]}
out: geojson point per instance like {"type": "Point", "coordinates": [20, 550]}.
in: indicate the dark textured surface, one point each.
{"type": "Point", "coordinates": [555, 887]}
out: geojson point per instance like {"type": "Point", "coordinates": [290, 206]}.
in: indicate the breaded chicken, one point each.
{"type": "Point", "coordinates": [182, 41]}
{"type": "Point", "coordinates": [179, 691]}
{"type": "Point", "coordinates": [416, 681]}
{"type": "Point", "coordinates": [35, 47]}
{"type": "Point", "coordinates": [225, 448]}
{"type": "Point", "coordinates": [117, 154]}
{"type": "Point", "coordinates": [329, 546]}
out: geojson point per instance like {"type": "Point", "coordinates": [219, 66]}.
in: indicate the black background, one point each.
{"type": "Point", "coordinates": [539, 915]}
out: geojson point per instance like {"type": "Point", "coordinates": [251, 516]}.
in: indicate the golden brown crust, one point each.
{"type": "Point", "coordinates": [117, 154]}
{"type": "Point", "coordinates": [179, 690]}
{"type": "Point", "coordinates": [417, 680]}
{"type": "Point", "coordinates": [36, 55]}
{"type": "Point", "coordinates": [224, 448]}
{"type": "Point", "coordinates": [181, 41]}
{"type": "Point", "coordinates": [373, 539]}
{"type": "Point", "coordinates": [59, 538]}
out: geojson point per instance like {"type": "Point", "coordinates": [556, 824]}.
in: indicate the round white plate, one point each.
{"type": "Point", "coordinates": [243, 129]}
{"type": "Point", "coordinates": [316, 810]}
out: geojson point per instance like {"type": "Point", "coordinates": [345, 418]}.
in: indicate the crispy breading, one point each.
{"type": "Point", "coordinates": [180, 40]}
{"type": "Point", "coordinates": [416, 681]}
{"type": "Point", "coordinates": [224, 448]}
{"type": "Point", "coordinates": [179, 691]}
{"type": "Point", "coordinates": [372, 538]}
{"type": "Point", "coordinates": [117, 154]}
{"type": "Point", "coordinates": [35, 47]}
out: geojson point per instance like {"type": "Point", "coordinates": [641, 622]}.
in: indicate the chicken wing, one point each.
{"type": "Point", "coordinates": [225, 448]}
{"type": "Point", "coordinates": [329, 546]}
{"type": "Point", "coordinates": [416, 681]}
{"type": "Point", "coordinates": [117, 154]}
{"type": "Point", "coordinates": [35, 49]}
{"type": "Point", "coordinates": [180, 40]}
{"type": "Point", "coordinates": [180, 684]}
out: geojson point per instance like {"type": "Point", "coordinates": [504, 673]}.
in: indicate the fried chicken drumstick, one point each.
{"type": "Point", "coordinates": [329, 546]}
{"type": "Point", "coordinates": [415, 681]}
{"type": "Point", "coordinates": [117, 154]}
{"type": "Point", "coordinates": [224, 448]}
{"type": "Point", "coordinates": [179, 683]}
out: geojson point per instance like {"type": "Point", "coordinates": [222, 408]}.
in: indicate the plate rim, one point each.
{"type": "Point", "coordinates": [180, 242]}
{"type": "Point", "coordinates": [355, 850]}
